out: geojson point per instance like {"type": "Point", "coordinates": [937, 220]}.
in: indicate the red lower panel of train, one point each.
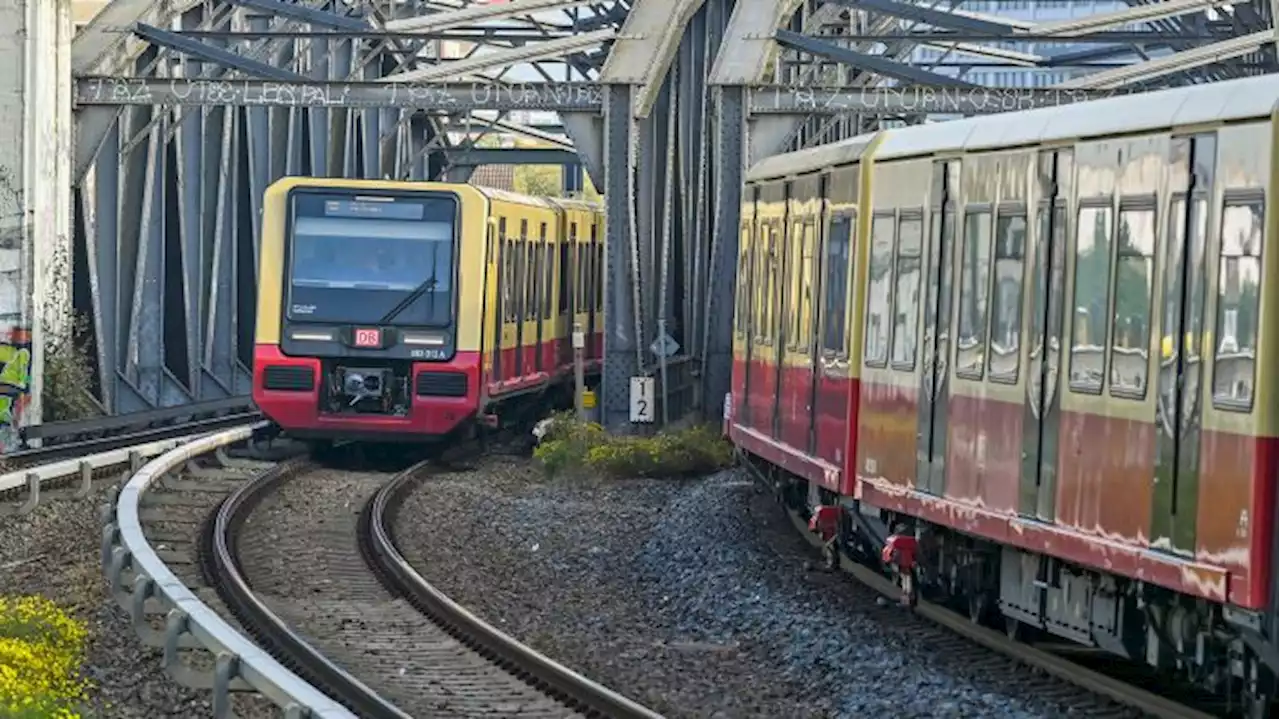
{"type": "Point", "coordinates": [298, 410]}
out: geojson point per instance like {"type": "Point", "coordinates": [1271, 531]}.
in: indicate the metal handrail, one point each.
{"type": "Point", "coordinates": [239, 661]}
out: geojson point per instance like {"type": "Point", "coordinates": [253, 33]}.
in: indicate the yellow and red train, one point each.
{"type": "Point", "coordinates": [400, 311]}
{"type": "Point", "coordinates": [965, 328]}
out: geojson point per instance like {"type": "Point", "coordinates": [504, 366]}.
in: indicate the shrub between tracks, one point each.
{"type": "Point", "coordinates": [41, 651]}
{"type": "Point", "coordinates": [572, 446]}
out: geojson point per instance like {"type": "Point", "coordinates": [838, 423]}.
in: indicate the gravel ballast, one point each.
{"type": "Point", "coordinates": [693, 597]}
{"type": "Point", "coordinates": [54, 552]}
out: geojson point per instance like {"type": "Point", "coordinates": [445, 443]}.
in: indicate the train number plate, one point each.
{"type": "Point", "coordinates": [368, 338]}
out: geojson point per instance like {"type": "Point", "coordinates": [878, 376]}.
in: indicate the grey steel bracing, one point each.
{"type": "Point", "coordinates": [175, 147]}
{"type": "Point", "coordinates": [621, 339]}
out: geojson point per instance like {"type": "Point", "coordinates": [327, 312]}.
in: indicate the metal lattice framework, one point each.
{"type": "Point", "coordinates": [186, 111]}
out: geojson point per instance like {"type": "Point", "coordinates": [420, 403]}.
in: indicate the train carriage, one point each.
{"type": "Point", "coordinates": [402, 311]}
{"type": "Point", "coordinates": [1014, 391]}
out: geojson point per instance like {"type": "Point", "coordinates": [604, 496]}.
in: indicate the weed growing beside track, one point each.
{"type": "Point", "coordinates": [571, 446]}
{"type": "Point", "coordinates": [41, 652]}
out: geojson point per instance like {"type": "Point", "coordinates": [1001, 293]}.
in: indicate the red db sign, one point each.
{"type": "Point", "coordinates": [368, 338]}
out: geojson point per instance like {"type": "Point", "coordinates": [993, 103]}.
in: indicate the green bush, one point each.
{"type": "Point", "coordinates": [68, 378]}
{"type": "Point", "coordinates": [571, 446]}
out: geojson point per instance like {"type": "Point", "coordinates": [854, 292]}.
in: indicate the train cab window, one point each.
{"type": "Point", "coordinates": [906, 293]}
{"type": "Point", "coordinates": [1006, 297]}
{"type": "Point", "coordinates": [1239, 285]}
{"type": "Point", "coordinates": [975, 270]}
{"type": "Point", "coordinates": [547, 273]}
{"type": "Point", "coordinates": [876, 343]}
{"type": "Point", "coordinates": [834, 326]}
{"type": "Point", "coordinates": [1090, 293]}
{"type": "Point", "coordinates": [1131, 317]}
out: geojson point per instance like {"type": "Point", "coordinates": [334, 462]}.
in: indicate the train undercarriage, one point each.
{"type": "Point", "coordinates": [1217, 650]}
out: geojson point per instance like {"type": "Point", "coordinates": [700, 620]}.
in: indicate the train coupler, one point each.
{"type": "Point", "coordinates": [825, 522]}
{"type": "Point", "coordinates": [490, 420]}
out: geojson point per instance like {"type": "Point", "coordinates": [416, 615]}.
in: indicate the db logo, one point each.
{"type": "Point", "coordinates": [368, 338]}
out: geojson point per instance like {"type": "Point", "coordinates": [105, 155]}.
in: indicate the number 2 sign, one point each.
{"type": "Point", "coordinates": [368, 338]}
{"type": "Point", "coordinates": [642, 400]}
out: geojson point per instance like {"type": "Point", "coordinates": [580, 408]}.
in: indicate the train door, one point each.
{"type": "Point", "coordinates": [750, 302]}
{"type": "Point", "coordinates": [818, 273]}
{"type": "Point", "coordinates": [502, 300]}
{"type": "Point", "coordinates": [520, 246]}
{"type": "Point", "coordinates": [939, 257]}
{"type": "Point", "coordinates": [595, 279]}
{"type": "Point", "coordinates": [784, 237]}
{"type": "Point", "coordinates": [538, 278]}
{"type": "Point", "coordinates": [1038, 480]}
{"type": "Point", "coordinates": [1174, 499]}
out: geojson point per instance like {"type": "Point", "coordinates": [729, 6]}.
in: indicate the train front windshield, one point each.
{"type": "Point", "coordinates": [372, 260]}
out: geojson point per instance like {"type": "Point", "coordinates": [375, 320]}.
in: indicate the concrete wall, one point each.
{"type": "Point", "coordinates": [35, 200]}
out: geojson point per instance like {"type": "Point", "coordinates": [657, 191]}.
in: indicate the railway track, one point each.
{"type": "Point", "coordinates": [313, 608]}
{"type": "Point", "coordinates": [984, 644]}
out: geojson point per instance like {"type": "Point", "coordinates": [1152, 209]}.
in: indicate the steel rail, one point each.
{"type": "Point", "coordinates": [239, 663]}
{"type": "Point", "coordinates": [270, 630]}
{"type": "Point", "coordinates": [403, 579]}
{"type": "Point", "coordinates": [81, 447]}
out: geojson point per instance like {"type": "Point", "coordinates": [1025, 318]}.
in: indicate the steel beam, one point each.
{"type": "Point", "coordinates": [103, 45]}
{"type": "Point", "coordinates": [445, 97]}
{"type": "Point", "coordinates": [311, 16]}
{"type": "Point", "coordinates": [217, 55]}
{"type": "Point", "coordinates": [478, 13]}
{"type": "Point", "coordinates": [549, 49]}
{"type": "Point", "coordinates": [912, 100]}
{"type": "Point", "coordinates": [873, 63]}
{"type": "Point", "coordinates": [646, 47]}
{"type": "Point", "coordinates": [1140, 13]}
{"type": "Point", "coordinates": [742, 59]}
{"type": "Point", "coordinates": [950, 20]}
{"type": "Point", "coordinates": [1178, 62]}
{"type": "Point", "coordinates": [514, 156]}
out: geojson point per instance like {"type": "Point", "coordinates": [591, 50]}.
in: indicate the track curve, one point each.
{"type": "Point", "coordinates": [359, 622]}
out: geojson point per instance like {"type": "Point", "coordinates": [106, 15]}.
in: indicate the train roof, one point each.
{"type": "Point", "coordinates": [1245, 98]}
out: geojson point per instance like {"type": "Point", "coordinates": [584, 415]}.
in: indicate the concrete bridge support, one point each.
{"type": "Point", "coordinates": [35, 201]}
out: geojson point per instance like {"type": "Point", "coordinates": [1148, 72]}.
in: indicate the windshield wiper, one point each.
{"type": "Point", "coordinates": [427, 285]}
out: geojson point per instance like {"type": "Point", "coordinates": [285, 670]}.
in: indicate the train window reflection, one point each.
{"type": "Point", "coordinates": [1006, 300]}
{"type": "Point", "coordinates": [345, 269]}
{"type": "Point", "coordinates": [1131, 320]}
{"type": "Point", "coordinates": [1236, 336]}
{"type": "Point", "coordinates": [906, 303]}
{"type": "Point", "coordinates": [837, 283]}
{"type": "Point", "coordinates": [876, 349]}
{"type": "Point", "coordinates": [975, 270]}
{"type": "Point", "coordinates": [1092, 279]}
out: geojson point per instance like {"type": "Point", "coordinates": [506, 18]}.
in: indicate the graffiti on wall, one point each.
{"type": "Point", "coordinates": [15, 385]}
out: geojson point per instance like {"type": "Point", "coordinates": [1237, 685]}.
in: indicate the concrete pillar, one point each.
{"type": "Point", "coordinates": [35, 200]}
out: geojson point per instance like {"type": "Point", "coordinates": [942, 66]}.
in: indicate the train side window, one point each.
{"type": "Point", "coordinates": [1239, 284]}
{"type": "Point", "coordinates": [1133, 288]}
{"type": "Point", "coordinates": [906, 300]}
{"type": "Point", "coordinates": [835, 330]}
{"type": "Point", "coordinates": [743, 277]}
{"type": "Point", "coordinates": [875, 349]}
{"type": "Point", "coordinates": [800, 267]}
{"type": "Point", "coordinates": [530, 273]}
{"type": "Point", "coordinates": [1090, 293]}
{"type": "Point", "coordinates": [1006, 297]}
{"type": "Point", "coordinates": [547, 274]}
{"type": "Point", "coordinates": [759, 304]}
{"type": "Point", "coordinates": [562, 283]}
{"type": "Point", "coordinates": [975, 270]}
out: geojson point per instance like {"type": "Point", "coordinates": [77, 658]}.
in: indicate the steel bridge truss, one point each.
{"type": "Point", "coordinates": [185, 117]}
